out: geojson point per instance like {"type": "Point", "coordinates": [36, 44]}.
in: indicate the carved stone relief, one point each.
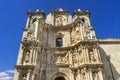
{"type": "Point", "coordinates": [60, 58]}
{"type": "Point", "coordinates": [76, 34]}
{"type": "Point", "coordinates": [58, 20]}
{"type": "Point", "coordinates": [30, 36]}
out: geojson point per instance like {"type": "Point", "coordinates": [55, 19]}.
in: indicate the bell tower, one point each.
{"type": "Point", "coordinates": [27, 63]}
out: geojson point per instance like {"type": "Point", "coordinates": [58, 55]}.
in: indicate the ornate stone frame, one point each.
{"type": "Point", "coordinates": [59, 74]}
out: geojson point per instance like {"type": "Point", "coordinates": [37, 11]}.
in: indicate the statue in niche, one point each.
{"type": "Point", "coordinates": [24, 76]}
{"type": "Point", "coordinates": [92, 56]}
{"type": "Point", "coordinates": [75, 59]}
{"type": "Point", "coordinates": [27, 56]}
{"type": "Point", "coordinates": [95, 76]}
{"type": "Point", "coordinates": [59, 21]}
{"type": "Point", "coordinates": [81, 57]}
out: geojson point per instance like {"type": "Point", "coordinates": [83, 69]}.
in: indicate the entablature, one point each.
{"type": "Point", "coordinates": [25, 67]}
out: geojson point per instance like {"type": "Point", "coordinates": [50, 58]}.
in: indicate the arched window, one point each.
{"type": "Point", "coordinates": [59, 42]}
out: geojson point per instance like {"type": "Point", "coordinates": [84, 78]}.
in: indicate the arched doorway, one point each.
{"type": "Point", "coordinates": [59, 78]}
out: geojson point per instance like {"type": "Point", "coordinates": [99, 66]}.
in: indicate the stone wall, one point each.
{"type": "Point", "coordinates": [111, 49]}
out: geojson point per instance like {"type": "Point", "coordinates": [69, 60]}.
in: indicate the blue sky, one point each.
{"type": "Point", "coordinates": [105, 18]}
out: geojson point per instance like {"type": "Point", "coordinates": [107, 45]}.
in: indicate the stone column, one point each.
{"type": "Point", "coordinates": [36, 29]}
{"type": "Point", "coordinates": [81, 31]}
{"type": "Point", "coordinates": [20, 56]}
{"type": "Point", "coordinates": [78, 75]}
{"type": "Point", "coordinates": [90, 74]}
{"type": "Point", "coordinates": [28, 21]}
{"type": "Point", "coordinates": [33, 76]}
{"type": "Point", "coordinates": [70, 59]}
{"type": "Point", "coordinates": [87, 76]}
{"type": "Point", "coordinates": [87, 55]}
{"type": "Point", "coordinates": [72, 75]}
{"type": "Point", "coordinates": [17, 74]}
{"type": "Point", "coordinates": [84, 54]}
{"type": "Point", "coordinates": [98, 52]}
{"type": "Point", "coordinates": [35, 56]}
{"type": "Point", "coordinates": [28, 75]}
{"type": "Point", "coordinates": [31, 56]}
{"type": "Point", "coordinates": [100, 74]}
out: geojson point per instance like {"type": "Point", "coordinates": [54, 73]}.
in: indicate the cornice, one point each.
{"type": "Point", "coordinates": [25, 66]}
{"type": "Point", "coordinates": [81, 13]}
{"type": "Point", "coordinates": [109, 41]}
{"type": "Point", "coordinates": [35, 13]}
{"type": "Point", "coordinates": [92, 65]}
{"type": "Point", "coordinates": [65, 12]}
{"type": "Point", "coordinates": [73, 46]}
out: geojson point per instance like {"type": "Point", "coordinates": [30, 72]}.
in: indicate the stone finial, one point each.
{"type": "Point", "coordinates": [29, 11]}
{"type": "Point", "coordinates": [37, 10]}
{"type": "Point", "coordinates": [79, 10]}
{"type": "Point", "coordinates": [60, 9]}
{"type": "Point", "coordinates": [87, 11]}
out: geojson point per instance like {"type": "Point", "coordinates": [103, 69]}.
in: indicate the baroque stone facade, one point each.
{"type": "Point", "coordinates": [64, 47]}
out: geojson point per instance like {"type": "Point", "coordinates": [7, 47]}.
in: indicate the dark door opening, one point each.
{"type": "Point", "coordinates": [60, 78]}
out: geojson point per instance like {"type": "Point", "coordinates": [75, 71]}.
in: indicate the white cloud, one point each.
{"type": "Point", "coordinates": [7, 75]}
{"type": "Point", "coordinates": [2, 74]}
{"type": "Point", "coordinates": [10, 71]}
{"type": "Point", "coordinates": [6, 78]}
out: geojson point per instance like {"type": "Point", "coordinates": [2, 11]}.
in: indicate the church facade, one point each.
{"type": "Point", "coordinates": [65, 47]}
